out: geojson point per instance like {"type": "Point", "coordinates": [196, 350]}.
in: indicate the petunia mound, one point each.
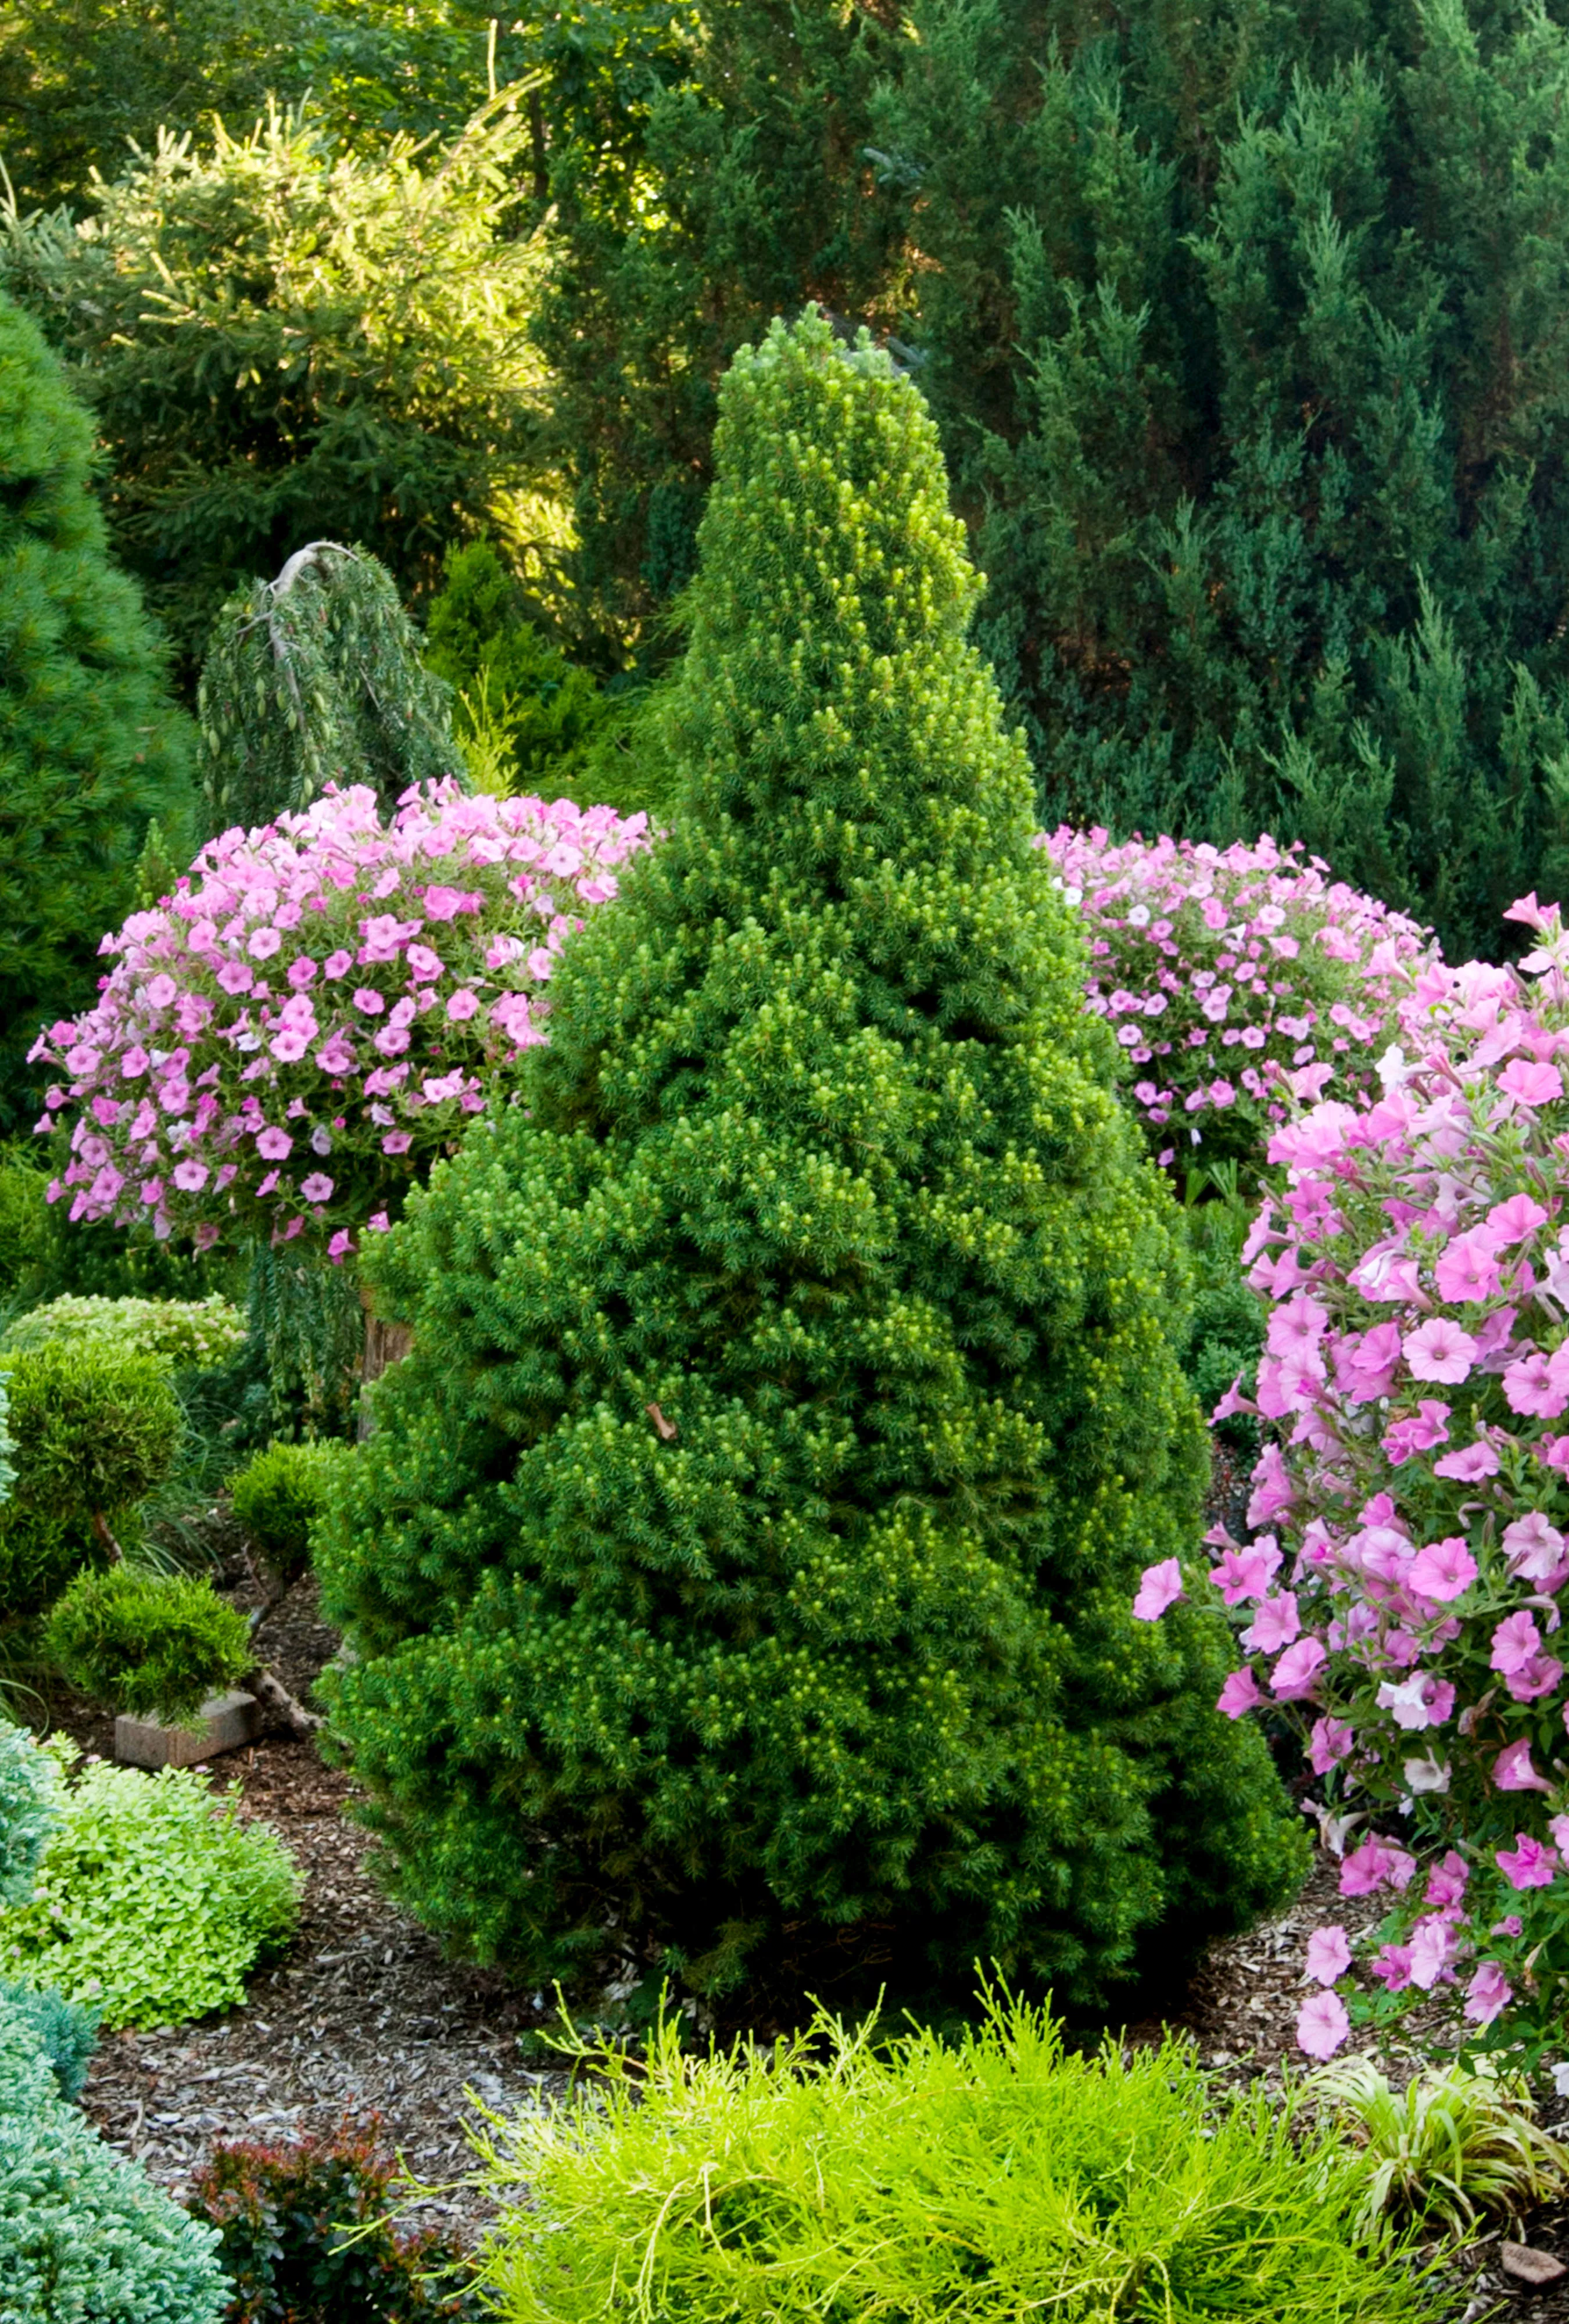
{"type": "Point", "coordinates": [738, 1568]}
{"type": "Point", "coordinates": [285, 1043]}
{"type": "Point", "coordinates": [1239, 981]}
{"type": "Point", "coordinates": [1400, 1599]}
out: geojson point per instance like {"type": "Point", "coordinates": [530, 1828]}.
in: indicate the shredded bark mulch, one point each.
{"type": "Point", "coordinates": [363, 2020]}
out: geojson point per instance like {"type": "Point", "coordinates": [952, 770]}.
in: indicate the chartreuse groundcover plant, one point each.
{"type": "Point", "coordinates": [914, 2182]}
{"type": "Point", "coordinates": [739, 1567]}
{"type": "Point", "coordinates": [1400, 1598]}
{"type": "Point", "coordinates": [189, 1335]}
{"type": "Point", "coordinates": [151, 1898]}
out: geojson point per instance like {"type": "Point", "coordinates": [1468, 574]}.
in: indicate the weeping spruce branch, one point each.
{"type": "Point", "coordinates": [317, 678]}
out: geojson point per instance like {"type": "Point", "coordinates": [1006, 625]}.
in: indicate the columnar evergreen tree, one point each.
{"type": "Point", "coordinates": [1246, 330]}
{"type": "Point", "coordinates": [317, 678]}
{"type": "Point", "coordinates": [740, 1566]}
{"type": "Point", "coordinates": [91, 745]}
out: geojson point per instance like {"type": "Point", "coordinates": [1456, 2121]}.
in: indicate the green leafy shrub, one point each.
{"type": "Point", "coordinates": [83, 2235]}
{"type": "Point", "coordinates": [1458, 2142]}
{"type": "Point", "coordinates": [94, 1430]}
{"type": "Point", "coordinates": [741, 1564]}
{"type": "Point", "coordinates": [66, 2031]}
{"type": "Point", "coordinates": [90, 740]}
{"type": "Point", "coordinates": [30, 1809]}
{"type": "Point", "coordinates": [995, 2178]}
{"type": "Point", "coordinates": [279, 1495]}
{"type": "Point", "coordinates": [140, 1643]}
{"type": "Point", "coordinates": [153, 1898]}
{"type": "Point", "coordinates": [303, 2232]}
{"type": "Point", "coordinates": [189, 1335]}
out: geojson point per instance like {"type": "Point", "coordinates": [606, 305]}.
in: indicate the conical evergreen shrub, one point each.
{"type": "Point", "coordinates": [91, 745]}
{"type": "Point", "coordinates": [740, 1566]}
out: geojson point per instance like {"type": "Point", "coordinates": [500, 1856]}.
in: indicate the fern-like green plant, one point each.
{"type": "Point", "coordinates": [1455, 2143]}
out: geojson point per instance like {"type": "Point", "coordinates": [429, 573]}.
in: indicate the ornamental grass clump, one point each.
{"type": "Point", "coordinates": [1399, 1599]}
{"type": "Point", "coordinates": [1236, 979]}
{"type": "Point", "coordinates": [738, 1568]}
{"type": "Point", "coordinates": [282, 1046]}
{"type": "Point", "coordinates": [922, 2182]}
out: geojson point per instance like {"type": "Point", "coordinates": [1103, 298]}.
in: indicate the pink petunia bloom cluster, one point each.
{"type": "Point", "coordinates": [289, 1040]}
{"type": "Point", "coordinates": [1237, 980]}
{"type": "Point", "coordinates": [1401, 1597]}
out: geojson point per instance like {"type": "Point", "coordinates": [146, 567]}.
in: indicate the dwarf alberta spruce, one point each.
{"type": "Point", "coordinates": [1401, 1602]}
{"type": "Point", "coordinates": [1234, 978]}
{"type": "Point", "coordinates": [286, 1042]}
{"type": "Point", "coordinates": [739, 1565]}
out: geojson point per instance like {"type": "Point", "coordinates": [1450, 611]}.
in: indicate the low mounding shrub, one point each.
{"type": "Point", "coordinates": [303, 2233]}
{"type": "Point", "coordinates": [1231, 977]}
{"type": "Point", "coordinates": [66, 2031]}
{"type": "Point", "coordinates": [85, 2238]}
{"type": "Point", "coordinates": [993, 2180]}
{"type": "Point", "coordinates": [30, 1809]}
{"type": "Point", "coordinates": [189, 1335]}
{"type": "Point", "coordinates": [95, 1429]}
{"type": "Point", "coordinates": [278, 1497]}
{"type": "Point", "coordinates": [153, 1898]}
{"type": "Point", "coordinates": [139, 1642]}
{"type": "Point", "coordinates": [1399, 1600]}
{"type": "Point", "coordinates": [736, 1566]}
{"type": "Point", "coordinates": [312, 1017]}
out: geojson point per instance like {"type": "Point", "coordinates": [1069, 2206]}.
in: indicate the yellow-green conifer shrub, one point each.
{"type": "Point", "coordinates": [739, 1565]}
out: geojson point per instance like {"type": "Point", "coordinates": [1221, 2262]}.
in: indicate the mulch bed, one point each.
{"type": "Point", "coordinates": [365, 2020]}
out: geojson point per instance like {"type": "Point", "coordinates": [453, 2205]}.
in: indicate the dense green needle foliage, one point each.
{"type": "Point", "coordinates": [146, 1643]}
{"type": "Point", "coordinates": [313, 678]}
{"type": "Point", "coordinates": [284, 340]}
{"type": "Point", "coordinates": [503, 668]}
{"type": "Point", "coordinates": [924, 2183]}
{"type": "Point", "coordinates": [1245, 329]}
{"type": "Point", "coordinates": [95, 1428]}
{"type": "Point", "coordinates": [91, 745]}
{"type": "Point", "coordinates": [741, 1563]}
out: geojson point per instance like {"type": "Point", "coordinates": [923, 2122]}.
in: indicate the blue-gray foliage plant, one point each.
{"type": "Point", "coordinates": [29, 1811]}
{"type": "Point", "coordinates": [84, 2236]}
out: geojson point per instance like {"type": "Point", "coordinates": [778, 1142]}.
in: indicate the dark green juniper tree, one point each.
{"type": "Point", "coordinates": [1248, 331]}
{"type": "Point", "coordinates": [740, 1566]}
{"type": "Point", "coordinates": [91, 745]}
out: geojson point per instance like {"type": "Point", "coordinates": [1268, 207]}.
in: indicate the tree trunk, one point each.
{"type": "Point", "coordinates": [385, 1343]}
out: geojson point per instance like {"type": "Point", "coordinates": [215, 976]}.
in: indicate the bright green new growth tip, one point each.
{"type": "Point", "coordinates": [742, 1562]}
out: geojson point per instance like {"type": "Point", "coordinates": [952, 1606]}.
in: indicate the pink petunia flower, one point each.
{"type": "Point", "coordinates": [1515, 1640]}
{"type": "Point", "coordinates": [317, 1187]}
{"type": "Point", "coordinates": [1427, 1426]}
{"type": "Point", "coordinates": [1322, 2026]}
{"type": "Point", "coordinates": [1512, 1221]}
{"type": "Point", "coordinates": [1469, 1464]}
{"type": "Point", "coordinates": [1489, 1993]}
{"type": "Point", "coordinates": [1439, 1350]}
{"type": "Point", "coordinates": [1276, 1622]}
{"type": "Point", "coordinates": [1240, 1695]}
{"type": "Point", "coordinates": [1530, 1085]}
{"type": "Point", "coordinates": [274, 1145]}
{"type": "Point", "coordinates": [1159, 1587]}
{"type": "Point", "coordinates": [1442, 1570]}
{"type": "Point", "coordinates": [1328, 1954]}
{"type": "Point", "coordinates": [1467, 1268]}
{"type": "Point", "coordinates": [1513, 1771]}
{"type": "Point", "coordinates": [1535, 1548]}
{"type": "Point", "coordinates": [1527, 1865]}
{"type": "Point", "coordinates": [1295, 1673]}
